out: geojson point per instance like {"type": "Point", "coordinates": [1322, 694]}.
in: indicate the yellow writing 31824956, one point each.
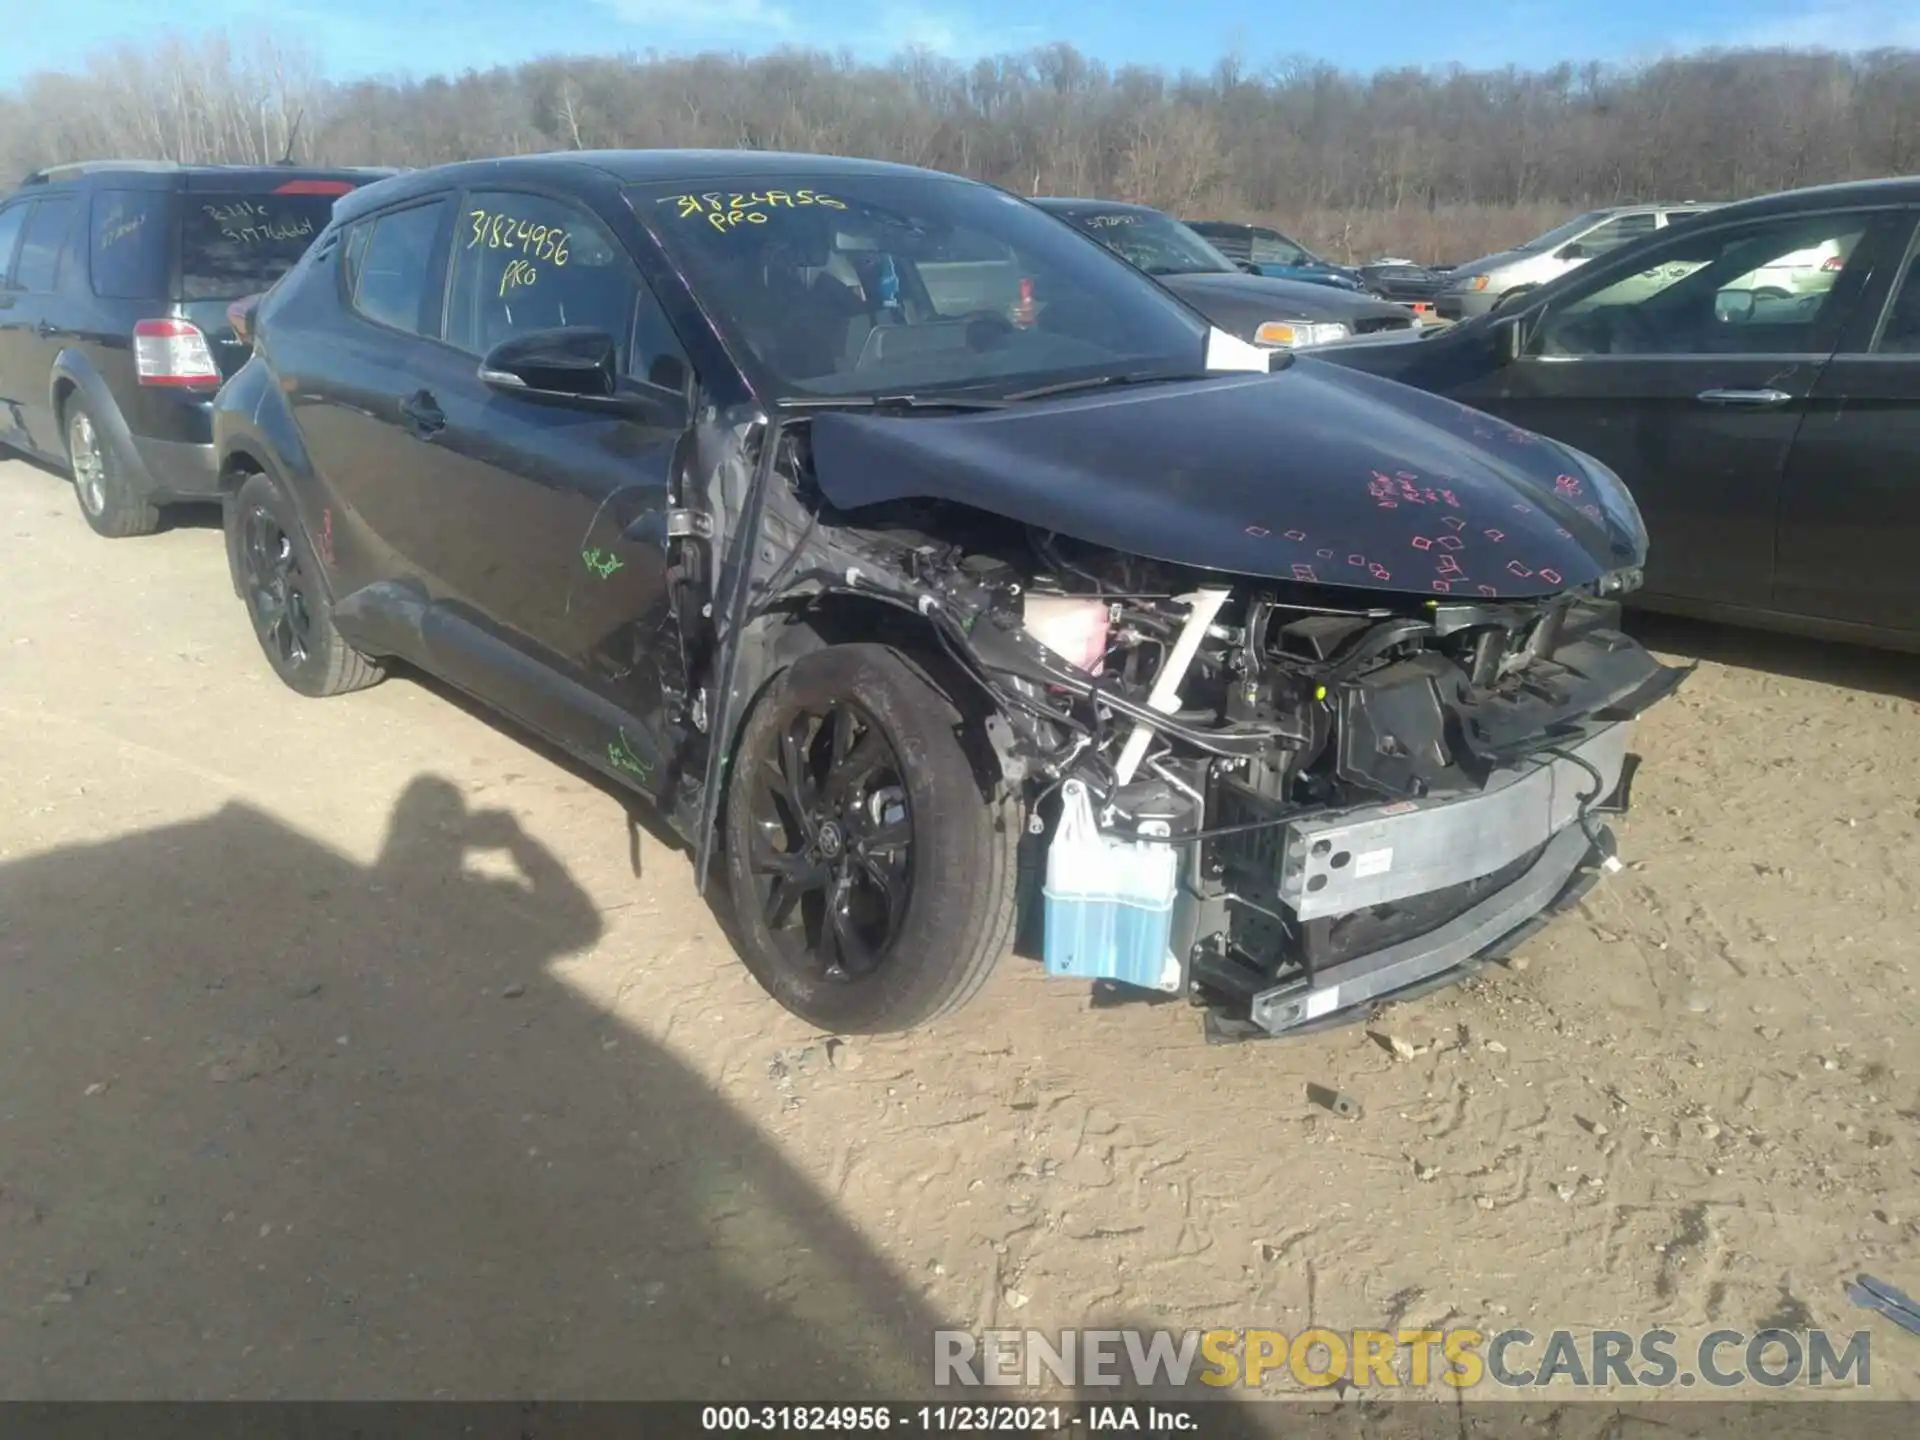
{"type": "Point", "coordinates": [499, 231]}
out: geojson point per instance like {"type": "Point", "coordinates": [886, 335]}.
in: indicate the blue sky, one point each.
{"type": "Point", "coordinates": [363, 37]}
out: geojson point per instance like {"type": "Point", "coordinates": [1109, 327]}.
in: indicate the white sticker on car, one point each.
{"type": "Point", "coordinates": [1372, 862]}
{"type": "Point", "coordinates": [1322, 1002]}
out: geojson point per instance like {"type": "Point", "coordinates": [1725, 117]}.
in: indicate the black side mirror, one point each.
{"type": "Point", "coordinates": [1248, 266]}
{"type": "Point", "coordinates": [574, 362]}
{"type": "Point", "coordinates": [577, 365]}
{"type": "Point", "coordinates": [1575, 251]}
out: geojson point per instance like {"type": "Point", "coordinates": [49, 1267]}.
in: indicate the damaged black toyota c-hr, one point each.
{"type": "Point", "coordinates": [929, 565]}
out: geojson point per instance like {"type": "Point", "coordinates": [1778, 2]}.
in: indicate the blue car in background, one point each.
{"type": "Point", "coordinates": [1271, 253]}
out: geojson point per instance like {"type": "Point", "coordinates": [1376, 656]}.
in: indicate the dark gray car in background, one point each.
{"type": "Point", "coordinates": [1286, 314]}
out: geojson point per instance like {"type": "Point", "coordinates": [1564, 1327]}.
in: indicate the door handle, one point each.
{"type": "Point", "coordinates": [1748, 399]}
{"type": "Point", "coordinates": [423, 414]}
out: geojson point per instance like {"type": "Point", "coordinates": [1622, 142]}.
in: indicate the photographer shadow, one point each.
{"type": "Point", "coordinates": [275, 1123]}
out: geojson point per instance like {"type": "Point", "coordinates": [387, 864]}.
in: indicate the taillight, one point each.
{"type": "Point", "coordinates": [314, 187]}
{"type": "Point", "coordinates": [1834, 262]}
{"type": "Point", "coordinates": [172, 352]}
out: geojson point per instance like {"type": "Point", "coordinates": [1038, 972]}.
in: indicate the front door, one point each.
{"type": "Point", "coordinates": [45, 322]}
{"type": "Point", "coordinates": [550, 519]}
{"type": "Point", "coordinates": [1850, 512]}
{"type": "Point", "coordinates": [1685, 373]}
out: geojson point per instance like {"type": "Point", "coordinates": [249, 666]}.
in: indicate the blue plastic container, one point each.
{"type": "Point", "coordinates": [1109, 902]}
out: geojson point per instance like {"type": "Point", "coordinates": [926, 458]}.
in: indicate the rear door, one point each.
{"type": "Point", "coordinates": [355, 378]}
{"type": "Point", "coordinates": [1666, 366]}
{"type": "Point", "coordinates": [42, 321]}
{"type": "Point", "coordinates": [1849, 538]}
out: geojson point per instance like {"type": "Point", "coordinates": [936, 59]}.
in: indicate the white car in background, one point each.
{"type": "Point", "coordinates": [1805, 272]}
{"type": "Point", "coordinates": [1480, 285]}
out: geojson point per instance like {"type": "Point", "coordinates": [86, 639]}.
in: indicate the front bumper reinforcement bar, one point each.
{"type": "Point", "coordinates": [1354, 982]}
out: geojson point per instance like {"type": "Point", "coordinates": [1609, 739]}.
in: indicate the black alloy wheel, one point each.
{"type": "Point", "coordinates": [872, 866]}
{"type": "Point", "coordinates": [832, 837]}
{"type": "Point", "coordinates": [287, 596]}
{"type": "Point", "coordinates": [277, 590]}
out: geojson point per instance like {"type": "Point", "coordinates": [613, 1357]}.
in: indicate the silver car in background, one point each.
{"type": "Point", "coordinates": [1480, 285]}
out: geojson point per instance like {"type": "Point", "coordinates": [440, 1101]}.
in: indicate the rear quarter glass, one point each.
{"type": "Point", "coordinates": [239, 242]}
{"type": "Point", "coordinates": [128, 243]}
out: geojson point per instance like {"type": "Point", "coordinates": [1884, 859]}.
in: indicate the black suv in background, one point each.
{"type": "Point", "coordinates": [115, 278]}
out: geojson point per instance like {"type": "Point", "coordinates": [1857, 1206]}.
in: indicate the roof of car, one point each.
{"type": "Point", "coordinates": [1894, 190]}
{"type": "Point", "coordinates": [1069, 202]}
{"type": "Point", "coordinates": [635, 167]}
{"type": "Point", "coordinates": [75, 170]}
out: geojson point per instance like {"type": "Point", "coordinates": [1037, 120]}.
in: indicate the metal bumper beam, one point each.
{"type": "Point", "coordinates": [1368, 977]}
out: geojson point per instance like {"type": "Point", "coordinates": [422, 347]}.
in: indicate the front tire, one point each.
{"type": "Point", "coordinates": [107, 498]}
{"type": "Point", "coordinates": [872, 874]}
{"type": "Point", "coordinates": [287, 599]}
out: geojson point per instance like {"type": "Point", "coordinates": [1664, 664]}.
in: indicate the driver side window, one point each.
{"type": "Point", "coordinates": [1774, 286]}
{"type": "Point", "coordinates": [525, 262]}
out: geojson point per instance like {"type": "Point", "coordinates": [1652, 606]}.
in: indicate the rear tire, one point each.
{"type": "Point", "coordinates": [286, 597]}
{"type": "Point", "coordinates": [872, 873]}
{"type": "Point", "coordinates": [107, 499]}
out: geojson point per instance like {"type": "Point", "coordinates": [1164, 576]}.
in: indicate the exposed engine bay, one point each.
{"type": "Point", "coordinates": [1357, 794]}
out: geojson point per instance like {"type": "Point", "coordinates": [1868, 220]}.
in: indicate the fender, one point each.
{"type": "Point", "coordinates": [74, 372]}
{"type": "Point", "coordinates": [249, 424]}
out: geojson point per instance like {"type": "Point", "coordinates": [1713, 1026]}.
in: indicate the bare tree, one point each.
{"type": "Point", "coordinates": [1437, 163]}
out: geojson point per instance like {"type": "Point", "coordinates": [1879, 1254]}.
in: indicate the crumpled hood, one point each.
{"type": "Point", "coordinates": [1316, 473]}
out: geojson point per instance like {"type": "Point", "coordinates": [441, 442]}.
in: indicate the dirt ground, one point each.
{"type": "Point", "coordinates": [343, 1054]}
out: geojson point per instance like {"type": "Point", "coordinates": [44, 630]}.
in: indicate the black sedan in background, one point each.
{"type": "Point", "coordinates": [1404, 280]}
{"type": "Point", "coordinates": [1260, 308]}
{"type": "Point", "coordinates": [1754, 377]}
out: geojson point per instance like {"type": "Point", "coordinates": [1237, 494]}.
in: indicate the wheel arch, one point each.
{"type": "Point", "coordinates": [778, 638]}
{"type": "Point", "coordinates": [254, 434]}
{"type": "Point", "coordinates": [238, 462]}
{"type": "Point", "coordinates": [241, 459]}
{"type": "Point", "coordinates": [74, 374]}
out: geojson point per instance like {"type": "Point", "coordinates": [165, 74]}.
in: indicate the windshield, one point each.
{"type": "Point", "coordinates": [889, 285]}
{"type": "Point", "coordinates": [1560, 234]}
{"type": "Point", "coordinates": [1150, 241]}
{"type": "Point", "coordinates": [237, 243]}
